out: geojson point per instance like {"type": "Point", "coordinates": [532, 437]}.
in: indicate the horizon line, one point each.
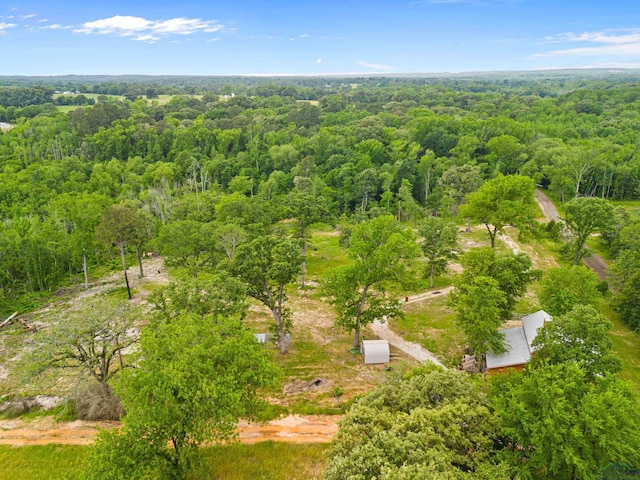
{"type": "Point", "coordinates": [335, 74]}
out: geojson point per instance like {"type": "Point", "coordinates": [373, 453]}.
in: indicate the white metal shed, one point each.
{"type": "Point", "coordinates": [375, 351]}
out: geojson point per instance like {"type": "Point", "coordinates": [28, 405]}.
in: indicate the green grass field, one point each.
{"type": "Point", "coordinates": [631, 206]}
{"type": "Point", "coordinates": [627, 345]}
{"type": "Point", "coordinates": [261, 461]}
{"type": "Point", "coordinates": [432, 325]}
{"type": "Point", "coordinates": [324, 253]}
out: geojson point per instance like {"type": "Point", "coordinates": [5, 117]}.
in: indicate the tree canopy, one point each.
{"type": "Point", "coordinates": [430, 423]}
{"type": "Point", "coordinates": [196, 377]}
{"type": "Point", "coordinates": [584, 216]}
{"type": "Point", "coordinates": [380, 249]}
{"type": "Point", "coordinates": [580, 336]}
{"type": "Point", "coordinates": [559, 423]}
{"type": "Point", "coordinates": [500, 202]}
{"type": "Point", "coordinates": [566, 287]}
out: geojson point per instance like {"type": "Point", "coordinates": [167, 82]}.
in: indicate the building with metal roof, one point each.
{"type": "Point", "coordinates": [518, 342]}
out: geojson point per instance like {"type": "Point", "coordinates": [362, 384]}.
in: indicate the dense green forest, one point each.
{"type": "Point", "coordinates": [405, 147]}
{"type": "Point", "coordinates": [224, 178]}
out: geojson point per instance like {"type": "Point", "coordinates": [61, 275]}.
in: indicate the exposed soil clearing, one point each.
{"type": "Point", "coordinates": [421, 297]}
{"type": "Point", "coordinates": [45, 431]}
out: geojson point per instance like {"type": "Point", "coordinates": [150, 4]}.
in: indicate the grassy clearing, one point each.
{"type": "Point", "coordinates": [432, 324]}
{"type": "Point", "coordinates": [317, 350]}
{"type": "Point", "coordinates": [627, 345]}
{"type": "Point", "coordinates": [267, 461]}
{"type": "Point", "coordinates": [164, 99]}
{"type": "Point", "coordinates": [477, 238]}
{"type": "Point", "coordinates": [262, 461]}
{"type": "Point", "coordinates": [325, 253]}
{"type": "Point", "coordinates": [68, 108]}
{"type": "Point", "coordinates": [89, 95]}
{"type": "Point", "coordinates": [631, 206]}
{"type": "Point", "coordinates": [43, 462]}
{"type": "Point", "coordinates": [598, 246]}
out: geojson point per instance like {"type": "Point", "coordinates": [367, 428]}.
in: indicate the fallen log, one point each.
{"type": "Point", "coordinates": [6, 322]}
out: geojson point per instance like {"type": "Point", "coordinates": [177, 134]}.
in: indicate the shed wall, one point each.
{"type": "Point", "coordinates": [375, 351]}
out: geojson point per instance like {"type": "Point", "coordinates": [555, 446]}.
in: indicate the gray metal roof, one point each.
{"type": "Point", "coordinates": [518, 341]}
{"type": "Point", "coordinates": [517, 352]}
{"type": "Point", "coordinates": [531, 323]}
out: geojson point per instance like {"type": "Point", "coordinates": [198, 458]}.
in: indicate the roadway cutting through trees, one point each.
{"type": "Point", "coordinates": [593, 261]}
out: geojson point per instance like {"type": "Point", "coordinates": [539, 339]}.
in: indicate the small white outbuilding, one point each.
{"type": "Point", "coordinates": [375, 351]}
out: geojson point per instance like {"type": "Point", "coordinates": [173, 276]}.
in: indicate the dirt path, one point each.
{"type": "Point", "coordinates": [412, 349]}
{"type": "Point", "coordinates": [595, 262]}
{"type": "Point", "coordinates": [44, 431]}
{"type": "Point", "coordinates": [546, 205]}
{"type": "Point", "coordinates": [429, 295]}
{"type": "Point", "coordinates": [510, 242]}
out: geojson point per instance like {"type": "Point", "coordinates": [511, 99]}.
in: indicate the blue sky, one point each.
{"type": "Point", "coordinates": [188, 37]}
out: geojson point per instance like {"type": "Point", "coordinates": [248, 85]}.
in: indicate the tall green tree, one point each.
{"type": "Point", "coordinates": [457, 182]}
{"type": "Point", "coordinates": [479, 305]}
{"type": "Point", "coordinates": [500, 202]}
{"type": "Point", "coordinates": [189, 244]}
{"type": "Point", "coordinates": [218, 293]}
{"type": "Point", "coordinates": [439, 244]}
{"type": "Point", "coordinates": [580, 336]}
{"type": "Point", "coordinates": [627, 301]}
{"type": "Point", "coordinates": [80, 216]}
{"type": "Point", "coordinates": [511, 271]}
{"type": "Point", "coordinates": [428, 423]}
{"type": "Point", "coordinates": [565, 287]}
{"type": "Point", "coordinates": [381, 250]}
{"type": "Point", "coordinates": [266, 265]}
{"type": "Point", "coordinates": [306, 209]}
{"type": "Point", "coordinates": [120, 225]}
{"type": "Point", "coordinates": [584, 216]}
{"type": "Point", "coordinates": [197, 376]}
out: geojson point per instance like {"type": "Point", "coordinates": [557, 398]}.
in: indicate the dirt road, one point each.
{"type": "Point", "coordinates": [594, 261]}
{"type": "Point", "coordinates": [44, 431]}
{"type": "Point", "coordinates": [548, 208]}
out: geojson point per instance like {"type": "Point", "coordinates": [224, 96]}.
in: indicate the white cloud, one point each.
{"type": "Point", "coordinates": [375, 66]}
{"type": "Point", "coordinates": [30, 15]}
{"type": "Point", "coordinates": [54, 26]}
{"type": "Point", "coordinates": [146, 30]}
{"type": "Point", "coordinates": [300, 37]}
{"type": "Point", "coordinates": [124, 25]}
{"type": "Point", "coordinates": [606, 42]}
{"type": "Point", "coordinates": [5, 26]}
{"type": "Point", "coordinates": [320, 60]}
{"type": "Point", "coordinates": [185, 26]}
{"type": "Point", "coordinates": [214, 39]}
{"type": "Point", "coordinates": [147, 38]}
